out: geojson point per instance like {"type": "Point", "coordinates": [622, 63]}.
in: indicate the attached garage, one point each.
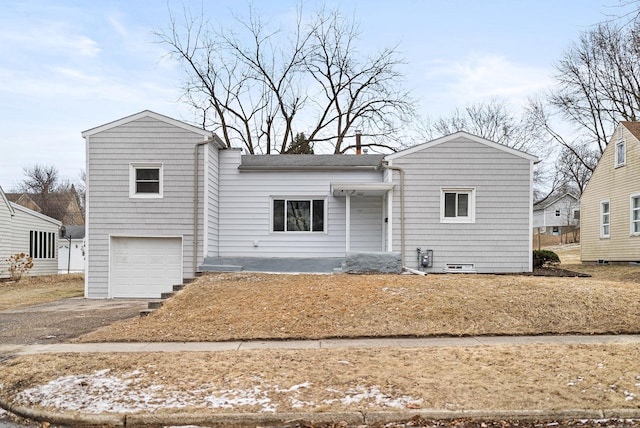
{"type": "Point", "coordinates": [144, 267]}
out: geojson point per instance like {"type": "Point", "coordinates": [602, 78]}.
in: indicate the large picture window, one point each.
{"type": "Point", "coordinates": [605, 219]}
{"type": "Point", "coordinates": [457, 206]}
{"type": "Point", "coordinates": [635, 214]}
{"type": "Point", "coordinates": [145, 180]}
{"type": "Point", "coordinates": [298, 215]}
{"type": "Point", "coordinates": [42, 245]}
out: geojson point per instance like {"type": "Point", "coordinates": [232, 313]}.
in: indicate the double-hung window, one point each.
{"type": "Point", "coordinates": [298, 215]}
{"type": "Point", "coordinates": [621, 153]}
{"type": "Point", "coordinates": [635, 214]}
{"type": "Point", "coordinates": [605, 219]}
{"type": "Point", "coordinates": [145, 180]}
{"type": "Point", "coordinates": [457, 206]}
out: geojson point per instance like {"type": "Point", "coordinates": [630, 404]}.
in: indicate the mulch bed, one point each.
{"type": "Point", "coordinates": [557, 272]}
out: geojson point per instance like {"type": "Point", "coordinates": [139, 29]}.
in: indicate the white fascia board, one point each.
{"type": "Point", "coordinates": [36, 214]}
{"type": "Point", "coordinates": [148, 113]}
{"type": "Point", "coordinates": [462, 134]}
{"type": "Point", "coordinates": [6, 202]}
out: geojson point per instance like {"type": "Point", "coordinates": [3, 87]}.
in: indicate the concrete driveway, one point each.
{"type": "Point", "coordinates": [62, 320]}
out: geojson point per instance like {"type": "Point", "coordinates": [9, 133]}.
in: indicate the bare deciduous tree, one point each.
{"type": "Point", "coordinates": [258, 86]}
{"type": "Point", "coordinates": [598, 81]}
{"type": "Point", "coordinates": [43, 185]}
{"type": "Point", "coordinates": [493, 120]}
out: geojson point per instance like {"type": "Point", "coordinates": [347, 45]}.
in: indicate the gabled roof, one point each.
{"type": "Point", "coordinates": [5, 201]}
{"type": "Point", "coordinates": [25, 200]}
{"type": "Point", "coordinates": [309, 162]}
{"type": "Point", "coordinates": [543, 205]}
{"type": "Point", "coordinates": [17, 207]}
{"type": "Point", "coordinates": [456, 136]}
{"type": "Point", "coordinates": [147, 113]}
{"type": "Point", "coordinates": [633, 127]}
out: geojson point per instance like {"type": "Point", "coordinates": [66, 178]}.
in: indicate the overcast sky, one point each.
{"type": "Point", "coordinates": [68, 66]}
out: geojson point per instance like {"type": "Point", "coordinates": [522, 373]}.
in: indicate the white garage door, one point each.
{"type": "Point", "coordinates": [144, 267]}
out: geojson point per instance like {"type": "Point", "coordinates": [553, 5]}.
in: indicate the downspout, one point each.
{"type": "Point", "coordinates": [196, 169]}
{"type": "Point", "coordinates": [385, 164]}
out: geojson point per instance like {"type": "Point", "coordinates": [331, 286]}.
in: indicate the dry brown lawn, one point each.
{"type": "Point", "coordinates": [233, 306]}
{"type": "Point", "coordinates": [251, 306]}
{"type": "Point", "coordinates": [532, 377]}
{"type": "Point", "coordinates": [40, 289]}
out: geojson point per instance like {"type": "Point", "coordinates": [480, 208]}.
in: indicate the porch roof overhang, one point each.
{"type": "Point", "coordinates": [360, 189]}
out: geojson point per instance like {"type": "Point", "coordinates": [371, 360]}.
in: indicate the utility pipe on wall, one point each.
{"type": "Point", "coordinates": [196, 201]}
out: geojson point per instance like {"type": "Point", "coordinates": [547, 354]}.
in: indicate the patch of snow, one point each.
{"type": "Point", "coordinates": [373, 395]}
{"type": "Point", "coordinates": [105, 392]}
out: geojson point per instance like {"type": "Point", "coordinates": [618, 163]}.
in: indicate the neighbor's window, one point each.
{"type": "Point", "coordinates": [621, 153]}
{"type": "Point", "coordinates": [557, 213]}
{"type": "Point", "coordinates": [635, 214]}
{"type": "Point", "coordinates": [145, 180]}
{"type": "Point", "coordinates": [298, 215]}
{"type": "Point", "coordinates": [457, 206]}
{"type": "Point", "coordinates": [605, 219]}
{"type": "Point", "coordinates": [42, 245]}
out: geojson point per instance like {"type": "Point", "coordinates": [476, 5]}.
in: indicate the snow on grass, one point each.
{"type": "Point", "coordinates": [103, 392]}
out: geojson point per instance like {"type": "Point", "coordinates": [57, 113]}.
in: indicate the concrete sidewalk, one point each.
{"type": "Point", "coordinates": [8, 349]}
{"type": "Point", "coordinates": [351, 419]}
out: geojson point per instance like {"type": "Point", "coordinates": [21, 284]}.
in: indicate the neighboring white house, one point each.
{"type": "Point", "coordinates": [25, 231]}
{"type": "Point", "coordinates": [166, 200]}
{"type": "Point", "coordinates": [71, 250]}
{"type": "Point", "coordinates": [557, 215]}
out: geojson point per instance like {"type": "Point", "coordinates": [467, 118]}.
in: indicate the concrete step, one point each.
{"type": "Point", "coordinates": [167, 295]}
{"type": "Point", "coordinates": [154, 305]}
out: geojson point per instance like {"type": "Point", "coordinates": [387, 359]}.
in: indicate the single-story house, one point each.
{"type": "Point", "coordinates": [166, 200]}
{"type": "Point", "coordinates": [71, 249]}
{"type": "Point", "coordinates": [25, 231]}
{"type": "Point", "coordinates": [555, 216]}
{"type": "Point", "coordinates": [610, 204]}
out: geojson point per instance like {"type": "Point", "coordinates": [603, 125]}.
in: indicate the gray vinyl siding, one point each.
{"type": "Point", "coordinates": [110, 210]}
{"type": "Point", "coordinates": [500, 238]}
{"type": "Point", "coordinates": [20, 226]}
{"type": "Point", "coordinates": [245, 211]}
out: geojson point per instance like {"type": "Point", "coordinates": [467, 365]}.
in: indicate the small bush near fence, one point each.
{"type": "Point", "coordinates": [545, 258]}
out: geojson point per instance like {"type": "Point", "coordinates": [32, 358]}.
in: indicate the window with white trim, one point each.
{"type": "Point", "coordinates": [457, 206]}
{"type": "Point", "coordinates": [42, 245]}
{"type": "Point", "coordinates": [635, 214]}
{"type": "Point", "coordinates": [605, 219]}
{"type": "Point", "coordinates": [146, 180]}
{"type": "Point", "coordinates": [298, 215]}
{"type": "Point", "coordinates": [557, 213]}
{"type": "Point", "coordinates": [621, 153]}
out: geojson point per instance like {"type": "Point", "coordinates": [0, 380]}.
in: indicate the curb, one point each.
{"type": "Point", "coordinates": [329, 418]}
{"type": "Point", "coordinates": [245, 419]}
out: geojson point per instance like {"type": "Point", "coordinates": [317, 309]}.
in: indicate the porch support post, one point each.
{"type": "Point", "coordinates": [348, 223]}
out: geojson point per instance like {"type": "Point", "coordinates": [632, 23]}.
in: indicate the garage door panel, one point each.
{"type": "Point", "coordinates": [144, 267]}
